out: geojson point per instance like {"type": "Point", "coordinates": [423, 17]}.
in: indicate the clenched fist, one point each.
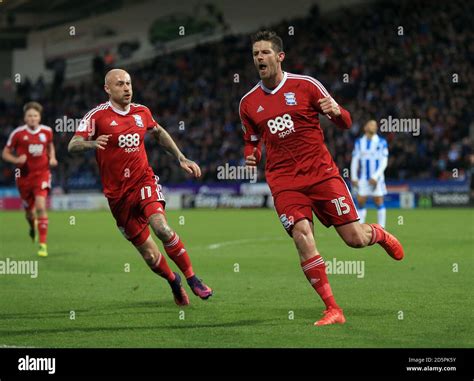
{"type": "Point", "coordinates": [329, 107]}
{"type": "Point", "coordinates": [21, 160]}
{"type": "Point", "coordinates": [101, 141]}
{"type": "Point", "coordinates": [251, 160]}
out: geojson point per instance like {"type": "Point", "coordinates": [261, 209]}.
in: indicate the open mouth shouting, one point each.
{"type": "Point", "coordinates": [262, 69]}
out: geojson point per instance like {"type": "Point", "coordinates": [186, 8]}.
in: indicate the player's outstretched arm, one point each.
{"type": "Point", "coordinates": [79, 144]}
{"type": "Point", "coordinates": [9, 157]}
{"type": "Point", "coordinates": [167, 142]}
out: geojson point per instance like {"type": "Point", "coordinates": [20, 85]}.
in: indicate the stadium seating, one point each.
{"type": "Point", "coordinates": [405, 76]}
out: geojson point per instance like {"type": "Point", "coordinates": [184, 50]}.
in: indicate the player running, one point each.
{"type": "Point", "coordinates": [282, 111]}
{"type": "Point", "coordinates": [30, 147]}
{"type": "Point", "coordinates": [370, 156]}
{"type": "Point", "coordinates": [116, 131]}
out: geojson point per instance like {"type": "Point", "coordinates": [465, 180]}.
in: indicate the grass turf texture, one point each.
{"type": "Point", "coordinates": [85, 273]}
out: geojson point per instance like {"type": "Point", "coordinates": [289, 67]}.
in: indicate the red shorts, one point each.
{"type": "Point", "coordinates": [132, 211]}
{"type": "Point", "coordinates": [330, 200]}
{"type": "Point", "coordinates": [32, 186]}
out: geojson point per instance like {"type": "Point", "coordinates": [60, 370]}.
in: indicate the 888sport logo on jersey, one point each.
{"type": "Point", "coordinates": [281, 125]}
{"type": "Point", "coordinates": [130, 142]}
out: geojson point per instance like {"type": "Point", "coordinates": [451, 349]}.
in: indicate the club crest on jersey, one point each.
{"type": "Point", "coordinates": [138, 120]}
{"type": "Point", "coordinates": [290, 99]}
{"type": "Point", "coordinates": [287, 222]}
{"type": "Point", "coordinates": [42, 137]}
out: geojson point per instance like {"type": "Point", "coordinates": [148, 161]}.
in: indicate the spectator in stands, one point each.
{"type": "Point", "coordinates": [193, 93]}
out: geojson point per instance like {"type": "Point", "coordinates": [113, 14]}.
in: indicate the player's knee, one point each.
{"type": "Point", "coordinates": [161, 229]}
{"type": "Point", "coordinates": [150, 256]}
{"type": "Point", "coordinates": [301, 232]}
{"type": "Point", "coordinates": [41, 211]}
{"type": "Point", "coordinates": [355, 239]}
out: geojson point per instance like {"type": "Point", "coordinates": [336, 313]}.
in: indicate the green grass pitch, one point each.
{"type": "Point", "coordinates": [423, 301]}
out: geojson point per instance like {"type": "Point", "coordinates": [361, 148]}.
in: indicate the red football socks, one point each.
{"type": "Point", "coordinates": [42, 229]}
{"type": "Point", "coordinates": [315, 271]}
{"type": "Point", "coordinates": [377, 234]}
{"type": "Point", "coordinates": [161, 268]}
{"type": "Point", "coordinates": [176, 251]}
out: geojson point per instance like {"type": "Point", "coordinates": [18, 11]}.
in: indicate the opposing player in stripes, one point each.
{"type": "Point", "coordinates": [369, 161]}
{"type": "Point", "coordinates": [282, 111]}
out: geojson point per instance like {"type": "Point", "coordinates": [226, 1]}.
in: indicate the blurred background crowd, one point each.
{"type": "Point", "coordinates": [403, 61]}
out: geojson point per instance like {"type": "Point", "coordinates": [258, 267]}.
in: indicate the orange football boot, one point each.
{"type": "Point", "coordinates": [332, 316]}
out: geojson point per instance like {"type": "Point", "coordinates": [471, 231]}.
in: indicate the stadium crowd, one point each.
{"type": "Point", "coordinates": [403, 59]}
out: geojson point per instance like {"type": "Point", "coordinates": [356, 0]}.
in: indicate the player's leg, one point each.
{"type": "Point", "coordinates": [294, 210]}
{"type": "Point", "coordinates": [152, 205]}
{"type": "Point", "coordinates": [157, 263]}
{"type": "Point", "coordinates": [134, 228]}
{"type": "Point", "coordinates": [303, 237]}
{"type": "Point", "coordinates": [42, 218]}
{"type": "Point", "coordinates": [173, 245]}
{"type": "Point", "coordinates": [361, 201]}
{"type": "Point", "coordinates": [381, 211]}
{"type": "Point", "coordinates": [358, 235]}
{"type": "Point", "coordinates": [176, 250]}
{"type": "Point", "coordinates": [311, 261]}
{"type": "Point", "coordinates": [28, 200]}
{"type": "Point", "coordinates": [355, 234]}
{"type": "Point", "coordinates": [334, 206]}
{"type": "Point", "coordinates": [30, 215]}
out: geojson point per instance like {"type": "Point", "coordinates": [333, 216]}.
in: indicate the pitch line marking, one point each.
{"type": "Point", "coordinates": [13, 346]}
{"type": "Point", "coordinates": [218, 245]}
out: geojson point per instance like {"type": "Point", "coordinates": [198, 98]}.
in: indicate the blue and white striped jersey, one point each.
{"type": "Point", "coordinates": [369, 158]}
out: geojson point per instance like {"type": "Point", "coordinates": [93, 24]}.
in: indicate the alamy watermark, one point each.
{"type": "Point", "coordinates": [13, 267]}
{"type": "Point", "coordinates": [345, 268]}
{"type": "Point", "coordinates": [66, 124]}
{"type": "Point", "coordinates": [391, 124]}
{"type": "Point", "coordinates": [45, 364]}
{"type": "Point", "coordinates": [237, 172]}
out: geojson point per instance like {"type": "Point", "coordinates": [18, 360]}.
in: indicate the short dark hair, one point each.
{"type": "Point", "coordinates": [268, 35]}
{"type": "Point", "coordinates": [33, 105]}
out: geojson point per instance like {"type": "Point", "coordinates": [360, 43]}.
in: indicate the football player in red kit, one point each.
{"type": "Point", "coordinates": [282, 111]}
{"type": "Point", "coordinates": [30, 147]}
{"type": "Point", "coordinates": [116, 131]}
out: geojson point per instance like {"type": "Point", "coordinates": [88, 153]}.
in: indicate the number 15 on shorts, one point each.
{"type": "Point", "coordinates": [341, 206]}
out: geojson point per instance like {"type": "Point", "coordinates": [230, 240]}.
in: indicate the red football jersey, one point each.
{"type": "Point", "coordinates": [124, 161]}
{"type": "Point", "coordinates": [286, 120]}
{"type": "Point", "coordinates": [34, 144]}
